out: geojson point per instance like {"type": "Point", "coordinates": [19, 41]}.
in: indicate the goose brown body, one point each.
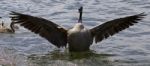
{"type": "Point", "coordinates": [79, 38]}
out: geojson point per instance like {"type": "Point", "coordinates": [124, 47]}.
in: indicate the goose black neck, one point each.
{"type": "Point", "coordinates": [80, 16]}
{"type": "Point", "coordinates": [2, 23]}
{"type": "Point", "coordinates": [12, 27]}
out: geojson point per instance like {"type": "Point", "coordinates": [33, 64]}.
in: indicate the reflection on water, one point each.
{"type": "Point", "coordinates": [8, 57]}
{"type": "Point", "coordinates": [57, 58]}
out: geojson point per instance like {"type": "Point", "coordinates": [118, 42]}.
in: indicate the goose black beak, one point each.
{"type": "Point", "coordinates": [80, 9]}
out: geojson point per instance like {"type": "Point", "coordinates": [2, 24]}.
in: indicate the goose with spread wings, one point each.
{"type": "Point", "coordinates": [78, 38]}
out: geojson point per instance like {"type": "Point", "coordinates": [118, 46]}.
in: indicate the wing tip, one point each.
{"type": "Point", "coordinates": [15, 13]}
{"type": "Point", "coordinates": [12, 12]}
{"type": "Point", "coordinates": [138, 17]}
{"type": "Point", "coordinates": [142, 15]}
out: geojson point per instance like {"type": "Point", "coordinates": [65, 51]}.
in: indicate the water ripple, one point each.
{"type": "Point", "coordinates": [131, 45]}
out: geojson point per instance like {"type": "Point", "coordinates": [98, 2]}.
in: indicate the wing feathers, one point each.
{"type": "Point", "coordinates": [109, 28]}
{"type": "Point", "coordinates": [43, 27]}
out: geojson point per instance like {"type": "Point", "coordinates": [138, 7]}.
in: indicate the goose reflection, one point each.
{"type": "Point", "coordinates": [56, 58]}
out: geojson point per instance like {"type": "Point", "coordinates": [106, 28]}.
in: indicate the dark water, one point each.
{"type": "Point", "coordinates": [130, 47]}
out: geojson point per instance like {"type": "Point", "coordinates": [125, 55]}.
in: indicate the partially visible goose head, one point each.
{"type": "Point", "coordinates": [5, 29]}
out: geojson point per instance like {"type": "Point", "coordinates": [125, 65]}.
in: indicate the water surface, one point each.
{"type": "Point", "coordinates": [128, 48]}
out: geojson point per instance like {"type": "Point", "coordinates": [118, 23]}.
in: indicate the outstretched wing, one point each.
{"type": "Point", "coordinates": [109, 28]}
{"type": "Point", "coordinates": [47, 29]}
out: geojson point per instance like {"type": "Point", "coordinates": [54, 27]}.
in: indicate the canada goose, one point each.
{"type": "Point", "coordinates": [4, 29]}
{"type": "Point", "coordinates": [78, 38]}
